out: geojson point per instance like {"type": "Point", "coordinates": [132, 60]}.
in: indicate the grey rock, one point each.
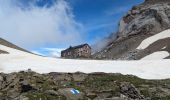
{"type": "Point", "coordinates": [51, 92]}
{"type": "Point", "coordinates": [2, 98]}
{"type": "Point", "coordinates": [91, 95]}
{"type": "Point", "coordinates": [79, 76]}
{"type": "Point", "coordinates": [12, 94]}
{"type": "Point", "coordinates": [130, 91]}
{"type": "Point", "coordinates": [10, 77]}
{"type": "Point", "coordinates": [149, 19]}
{"type": "Point", "coordinates": [25, 87]}
{"type": "Point", "coordinates": [60, 77]}
{"type": "Point", "coordinates": [1, 78]}
{"type": "Point", "coordinates": [21, 97]}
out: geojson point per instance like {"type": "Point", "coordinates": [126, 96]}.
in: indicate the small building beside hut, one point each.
{"type": "Point", "coordinates": [80, 51]}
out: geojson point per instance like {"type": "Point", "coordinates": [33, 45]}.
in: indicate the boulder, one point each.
{"type": "Point", "coordinates": [25, 87]}
{"type": "Point", "coordinates": [130, 91]}
{"type": "Point", "coordinates": [91, 95]}
{"type": "Point", "coordinates": [51, 92]}
{"type": "Point", "coordinates": [21, 97]}
{"type": "Point", "coordinates": [78, 76]}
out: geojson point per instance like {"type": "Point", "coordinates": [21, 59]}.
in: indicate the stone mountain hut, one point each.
{"type": "Point", "coordinates": [80, 51]}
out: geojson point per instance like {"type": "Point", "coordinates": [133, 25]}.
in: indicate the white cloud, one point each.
{"type": "Point", "coordinates": [51, 52]}
{"type": "Point", "coordinates": [54, 52]}
{"type": "Point", "coordinates": [38, 26]}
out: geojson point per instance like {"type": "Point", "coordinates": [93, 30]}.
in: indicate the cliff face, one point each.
{"type": "Point", "coordinates": [150, 17]}
{"type": "Point", "coordinates": [141, 22]}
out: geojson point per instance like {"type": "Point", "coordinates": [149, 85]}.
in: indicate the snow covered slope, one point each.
{"type": "Point", "coordinates": [152, 44]}
{"type": "Point", "coordinates": [18, 60]}
{"type": "Point", "coordinates": [156, 55]}
{"type": "Point", "coordinates": [162, 35]}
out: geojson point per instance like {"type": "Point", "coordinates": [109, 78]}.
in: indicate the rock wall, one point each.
{"type": "Point", "coordinates": [141, 22]}
{"type": "Point", "coordinates": [150, 17]}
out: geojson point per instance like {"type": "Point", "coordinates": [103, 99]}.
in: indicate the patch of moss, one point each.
{"type": "Point", "coordinates": [145, 92]}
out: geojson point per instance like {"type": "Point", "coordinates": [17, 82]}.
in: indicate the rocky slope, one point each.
{"type": "Point", "coordinates": [141, 22]}
{"type": "Point", "coordinates": [28, 85]}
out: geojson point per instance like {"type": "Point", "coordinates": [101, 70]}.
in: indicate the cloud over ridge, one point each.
{"type": "Point", "coordinates": [37, 26]}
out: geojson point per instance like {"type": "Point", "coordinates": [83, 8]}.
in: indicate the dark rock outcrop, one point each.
{"type": "Point", "coordinates": [3, 52]}
{"type": "Point", "coordinates": [25, 87]}
{"type": "Point", "coordinates": [130, 91]}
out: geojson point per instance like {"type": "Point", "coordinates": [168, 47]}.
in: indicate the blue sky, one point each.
{"type": "Point", "coordinates": [100, 17]}
{"type": "Point", "coordinates": [46, 27]}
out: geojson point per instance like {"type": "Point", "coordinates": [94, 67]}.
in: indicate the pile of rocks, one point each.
{"type": "Point", "coordinates": [129, 90]}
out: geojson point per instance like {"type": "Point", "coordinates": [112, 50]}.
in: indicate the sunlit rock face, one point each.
{"type": "Point", "coordinates": [142, 21]}
{"type": "Point", "coordinates": [150, 17]}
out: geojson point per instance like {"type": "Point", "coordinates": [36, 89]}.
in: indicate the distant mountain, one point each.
{"type": "Point", "coordinates": [142, 24]}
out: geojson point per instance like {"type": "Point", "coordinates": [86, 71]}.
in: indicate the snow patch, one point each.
{"type": "Point", "coordinates": [164, 47]}
{"type": "Point", "coordinates": [162, 35]}
{"type": "Point", "coordinates": [156, 55]}
{"type": "Point", "coordinates": [19, 60]}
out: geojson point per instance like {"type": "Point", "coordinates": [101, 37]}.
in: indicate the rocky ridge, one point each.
{"type": "Point", "coordinates": [141, 22]}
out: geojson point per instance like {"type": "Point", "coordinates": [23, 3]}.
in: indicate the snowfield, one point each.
{"type": "Point", "coordinates": [156, 55]}
{"type": "Point", "coordinates": [162, 35]}
{"type": "Point", "coordinates": [18, 60]}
